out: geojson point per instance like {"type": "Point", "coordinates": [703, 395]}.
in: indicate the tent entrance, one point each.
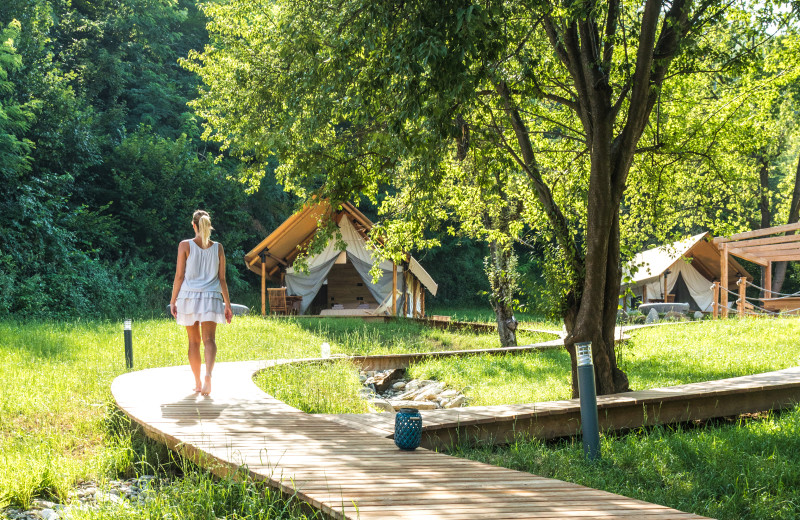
{"type": "Point", "coordinates": [682, 294]}
{"type": "Point", "coordinates": [345, 287]}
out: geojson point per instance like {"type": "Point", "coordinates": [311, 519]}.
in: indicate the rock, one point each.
{"type": "Point", "coordinates": [42, 504]}
{"type": "Point", "coordinates": [652, 317]}
{"type": "Point", "coordinates": [674, 316]}
{"type": "Point", "coordinates": [447, 394]}
{"type": "Point", "coordinates": [384, 380]}
{"type": "Point", "coordinates": [400, 385]}
{"type": "Point", "coordinates": [381, 404]}
{"type": "Point", "coordinates": [49, 514]}
{"type": "Point", "coordinates": [362, 378]}
{"type": "Point", "coordinates": [419, 405]}
{"type": "Point", "coordinates": [455, 403]}
{"type": "Point", "coordinates": [698, 315]}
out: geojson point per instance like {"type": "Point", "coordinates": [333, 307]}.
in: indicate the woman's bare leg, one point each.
{"type": "Point", "coordinates": [193, 332]}
{"type": "Point", "coordinates": [210, 351]}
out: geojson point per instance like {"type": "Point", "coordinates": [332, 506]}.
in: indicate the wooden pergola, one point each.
{"type": "Point", "coordinates": [762, 248]}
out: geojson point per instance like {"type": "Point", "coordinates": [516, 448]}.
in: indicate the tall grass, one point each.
{"type": "Point", "coordinates": [746, 470]}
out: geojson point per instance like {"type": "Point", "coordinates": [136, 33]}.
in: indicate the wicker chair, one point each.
{"type": "Point", "coordinates": [277, 301]}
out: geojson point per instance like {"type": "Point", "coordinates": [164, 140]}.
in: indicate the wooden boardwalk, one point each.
{"type": "Point", "coordinates": [345, 472]}
{"type": "Point", "coordinates": [552, 419]}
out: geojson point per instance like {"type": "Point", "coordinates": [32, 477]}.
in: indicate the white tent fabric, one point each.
{"type": "Point", "coordinates": [651, 263]}
{"type": "Point", "coordinates": [699, 287]}
{"type": "Point", "coordinates": [308, 284]}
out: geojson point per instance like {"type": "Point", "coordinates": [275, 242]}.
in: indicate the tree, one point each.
{"type": "Point", "coordinates": [357, 95]}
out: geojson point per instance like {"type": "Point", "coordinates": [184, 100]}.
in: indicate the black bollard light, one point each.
{"type": "Point", "coordinates": [128, 344]}
{"type": "Point", "coordinates": [588, 395]}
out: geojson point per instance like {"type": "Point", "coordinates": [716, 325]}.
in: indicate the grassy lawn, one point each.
{"type": "Point", "coordinates": [747, 470]}
{"type": "Point", "coordinates": [58, 426]}
{"type": "Point", "coordinates": [654, 357]}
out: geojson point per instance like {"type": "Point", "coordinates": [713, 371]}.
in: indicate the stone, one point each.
{"type": "Point", "coordinates": [400, 385]}
{"type": "Point", "coordinates": [385, 379]}
{"type": "Point", "coordinates": [419, 405]}
{"type": "Point", "coordinates": [455, 403]}
{"type": "Point", "coordinates": [652, 317]}
{"type": "Point", "coordinates": [674, 316]}
{"type": "Point", "coordinates": [381, 404]}
{"type": "Point", "coordinates": [447, 394]}
{"type": "Point", "coordinates": [698, 315]}
{"type": "Point", "coordinates": [42, 504]}
{"type": "Point", "coordinates": [49, 514]}
{"type": "Point", "coordinates": [664, 307]}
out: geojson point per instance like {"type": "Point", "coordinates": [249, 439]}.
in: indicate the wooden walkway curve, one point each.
{"type": "Point", "coordinates": [345, 472]}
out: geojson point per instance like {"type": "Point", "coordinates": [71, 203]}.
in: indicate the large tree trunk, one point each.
{"type": "Point", "coordinates": [596, 314]}
{"type": "Point", "coordinates": [779, 268]}
{"type": "Point", "coordinates": [501, 273]}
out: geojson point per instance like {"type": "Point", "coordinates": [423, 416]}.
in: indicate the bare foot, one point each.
{"type": "Point", "coordinates": [197, 388]}
{"type": "Point", "coordinates": [207, 386]}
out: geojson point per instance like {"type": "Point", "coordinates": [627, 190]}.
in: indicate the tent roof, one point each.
{"type": "Point", "coordinates": [705, 258]}
{"type": "Point", "coordinates": [283, 245]}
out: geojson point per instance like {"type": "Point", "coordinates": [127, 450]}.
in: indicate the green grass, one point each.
{"type": "Point", "coordinates": [315, 387]}
{"type": "Point", "coordinates": [748, 470]}
{"type": "Point", "coordinates": [654, 357]}
{"type": "Point", "coordinates": [58, 425]}
{"type": "Point", "coordinates": [55, 403]}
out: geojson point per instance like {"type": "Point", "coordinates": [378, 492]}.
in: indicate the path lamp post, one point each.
{"type": "Point", "coordinates": [128, 344]}
{"type": "Point", "coordinates": [588, 396]}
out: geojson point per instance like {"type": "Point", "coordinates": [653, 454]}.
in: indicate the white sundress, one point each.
{"type": "Point", "coordinates": [200, 297]}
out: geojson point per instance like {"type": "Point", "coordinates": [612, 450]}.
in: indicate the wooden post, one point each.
{"type": "Point", "coordinates": [644, 294]}
{"type": "Point", "coordinates": [664, 295]}
{"type": "Point", "coordinates": [394, 289]}
{"type": "Point", "coordinates": [405, 293]}
{"type": "Point", "coordinates": [768, 281]}
{"type": "Point", "coordinates": [413, 298]}
{"type": "Point", "coordinates": [715, 305]}
{"type": "Point", "coordinates": [263, 286]}
{"type": "Point", "coordinates": [422, 295]}
{"type": "Point", "coordinates": [742, 295]}
{"type": "Point", "coordinates": [724, 280]}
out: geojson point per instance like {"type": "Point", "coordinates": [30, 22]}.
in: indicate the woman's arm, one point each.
{"type": "Point", "coordinates": [224, 285]}
{"type": "Point", "coordinates": [180, 272]}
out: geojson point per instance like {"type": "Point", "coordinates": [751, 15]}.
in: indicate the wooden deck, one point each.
{"type": "Point", "coordinates": [548, 420]}
{"type": "Point", "coordinates": [345, 472]}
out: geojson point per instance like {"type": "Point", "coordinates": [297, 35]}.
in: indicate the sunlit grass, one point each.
{"type": "Point", "coordinates": [654, 357]}
{"type": "Point", "coordinates": [749, 470]}
{"type": "Point", "coordinates": [315, 387]}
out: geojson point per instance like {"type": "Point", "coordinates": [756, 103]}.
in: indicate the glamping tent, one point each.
{"type": "Point", "coordinates": [684, 271]}
{"type": "Point", "coordinates": [336, 281]}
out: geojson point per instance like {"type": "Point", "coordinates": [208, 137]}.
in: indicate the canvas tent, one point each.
{"type": "Point", "coordinates": [687, 269]}
{"type": "Point", "coordinates": [339, 280]}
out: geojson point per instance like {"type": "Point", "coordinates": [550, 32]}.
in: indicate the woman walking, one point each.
{"type": "Point", "coordinates": [200, 296]}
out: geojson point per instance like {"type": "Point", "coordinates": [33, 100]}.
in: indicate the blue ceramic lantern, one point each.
{"type": "Point", "coordinates": [407, 428]}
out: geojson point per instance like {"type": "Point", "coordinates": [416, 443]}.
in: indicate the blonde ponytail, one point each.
{"type": "Point", "coordinates": [203, 223]}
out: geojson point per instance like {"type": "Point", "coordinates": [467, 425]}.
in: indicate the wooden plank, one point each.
{"type": "Point", "coordinates": [334, 468]}
{"type": "Point", "coordinates": [760, 232]}
{"type": "Point", "coordinates": [741, 253]}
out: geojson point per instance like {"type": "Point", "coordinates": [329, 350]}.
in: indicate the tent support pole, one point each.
{"type": "Point", "coordinates": [742, 295]}
{"type": "Point", "coordinates": [263, 286]}
{"type": "Point", "coordinates": [768, 280]}
{"type": "Point", "coordinates": [715, 304]}
{"type": "Point", "coordinates": [394, 289]}
{"type": "Point", "coordinates": [724, 280]}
